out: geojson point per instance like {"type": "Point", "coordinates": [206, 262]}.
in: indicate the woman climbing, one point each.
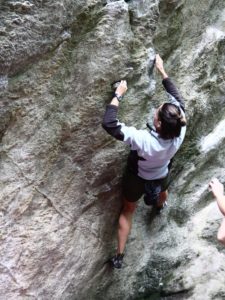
{"type": "Point", "coordinates": [147, 170]}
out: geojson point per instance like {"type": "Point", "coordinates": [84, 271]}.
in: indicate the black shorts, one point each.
{"type": "Point", "coordinates": [134, 186]}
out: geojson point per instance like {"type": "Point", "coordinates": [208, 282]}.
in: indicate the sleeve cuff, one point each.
{"type": "Point", "coordinates": [165, 80]}
{"type": "Point", "coordinates": [112, 106]}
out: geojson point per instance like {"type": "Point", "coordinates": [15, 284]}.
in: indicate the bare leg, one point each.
{"type": "Point", "coordinates": [125, 223]}
{"type": "Point", "coordinates": [221, 233]}
{"type": "Point", "coordinates": [162, 198]}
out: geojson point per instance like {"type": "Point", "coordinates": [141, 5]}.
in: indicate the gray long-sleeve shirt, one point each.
{"type": "Point", "coordinates": [150, 154]}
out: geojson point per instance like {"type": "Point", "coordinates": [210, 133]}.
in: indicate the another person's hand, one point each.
{"type": "Point", "coordinates": [122, 88]}
{"type": "Point", "coordinates": [216, 187]}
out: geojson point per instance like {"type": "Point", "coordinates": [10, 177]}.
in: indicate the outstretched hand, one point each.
{"type": "Point", "coordinates": [216, 187]}
{"type": "Point", "coordinates": [122, 88]}
{"type": "Point", "coordinates": [159, 66]}
{"type": "Point", "coordinates": [158, 62]}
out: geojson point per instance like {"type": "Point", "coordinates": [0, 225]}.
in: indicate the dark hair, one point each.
{"type": "Point", "coordinates": [171, 121]}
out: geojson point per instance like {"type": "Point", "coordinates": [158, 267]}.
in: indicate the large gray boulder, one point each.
{"type": "Point", "coordinates": [60, 173]}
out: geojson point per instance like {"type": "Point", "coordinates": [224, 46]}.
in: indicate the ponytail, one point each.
{"type": "Point", "coordinates": [182, 120]}
{"type": "Point", "coordinates": [172, 120]}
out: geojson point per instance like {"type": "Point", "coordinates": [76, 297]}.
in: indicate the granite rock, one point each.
{"type": "Point", "coordinates": [60, 173]}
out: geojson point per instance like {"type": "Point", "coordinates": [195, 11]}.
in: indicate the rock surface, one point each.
{"type": "Point", "coordinates": [60, 173]}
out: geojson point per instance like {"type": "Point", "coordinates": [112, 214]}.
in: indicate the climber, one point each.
{"type": "Point", "coordinates": [218, 192]}
{"type": "Point", "coordinates": [147, 168]}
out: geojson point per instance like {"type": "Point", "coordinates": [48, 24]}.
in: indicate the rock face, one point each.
{"type": "Point", "coordinates": [60, 173]}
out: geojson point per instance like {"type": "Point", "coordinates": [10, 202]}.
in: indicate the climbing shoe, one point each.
{"type": "Point", "coordinates": [159, 209]}
{"type": "Point", "coordinates": [116, 261]}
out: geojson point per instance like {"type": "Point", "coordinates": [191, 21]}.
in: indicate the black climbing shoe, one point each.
{"type": "Point", "coordinates": [116, 261]}
{"type": "Point", "coordinates": [159, 209]}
